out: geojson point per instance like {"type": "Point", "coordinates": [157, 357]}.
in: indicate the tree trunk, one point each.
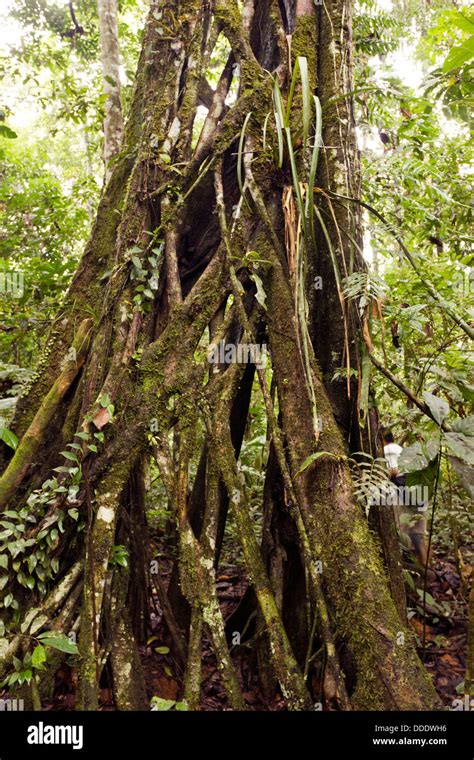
{"type": "Point", "coordinates": [200, 239]}
{"type": "Point", "coordinates": [110, 58]}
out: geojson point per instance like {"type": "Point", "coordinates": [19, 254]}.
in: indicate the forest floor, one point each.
{"type": "Point", "coordinates": [445, 631]}
{"type": "Point", "coordinates": [444, 654]}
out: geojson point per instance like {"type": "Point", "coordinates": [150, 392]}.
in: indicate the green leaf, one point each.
{"type": "Point", "coordinates": [307, 96]}
{"type": "Point", "coordinates": [240, 153]}
{"type": "Point", "coordinates": [11, 514]}
{"type": "Point", "coordinates": [302, 65]}
{"type": "Point", "coordinates": [17, 664]}
{"type": "Point", "coordinates": [58, 641]}
{"type": "Point", "coordinates": [409, 579]}
{"type": "Point", "coordinates": [429, 599]}
{"type": "Point", "coordinates": [366, 367]}
{"type": "Point", "coordinates": [260, 295]}
{"type": "Point", "coordinates": [162, 705]}
{"type": "Point", "coordinates": [438, 407]}
{"type": "Point", "coordinates": [7, 403]}
{"type": "Point", "coordinates": [425, 477]}
{"type": "Point", "coordinates": [462, 22]}
{"type": "Point", "coordinates": [4, 561]}
{"type": "Point", "coordinates": [279, 124]}
{"type": "Point", "coordinates": [462, 446]}
{"type": "Point", "coordinates": [69, 455]}
{"type": "Point", "coordinates": [8, 436]}
{"type": "Point", "coordinates": [309, 210]}
{"type": "Point", "coordinates": [265, 127]}
{"type": "Point", "coordinates": [7, 132]}
{"type": "Point", "coordinates": [459, 55]}
{"type": "Point", "coordinates": [27, 675]}
{"type": "Point", "coordinates": [82, 435]}
{"type": "Point", "coordinates": [417, 457]}
{"type": "Point", "coordinates": [39, 656]}
{"type": "Point", "coordinates": [72, 492]}
{"type": "Point", "coordinates": [313, 457]}
{"type": "Point", "coordinates": [465, 473]}
{"type": "Point", "coordinates": [8, 525]}
{"type": "Point", "coordinates": [162, 650]}
{"type": "Point", "coordinates": [464, 426]}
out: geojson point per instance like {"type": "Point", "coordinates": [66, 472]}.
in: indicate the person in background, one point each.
{"type": "Point", "coordinates": [410, 518]}
{"type": "Point", "coordinates": [391, 452]}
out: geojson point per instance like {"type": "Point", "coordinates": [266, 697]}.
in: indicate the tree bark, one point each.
{"type": "Point", "coordinates": [110, 58]}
